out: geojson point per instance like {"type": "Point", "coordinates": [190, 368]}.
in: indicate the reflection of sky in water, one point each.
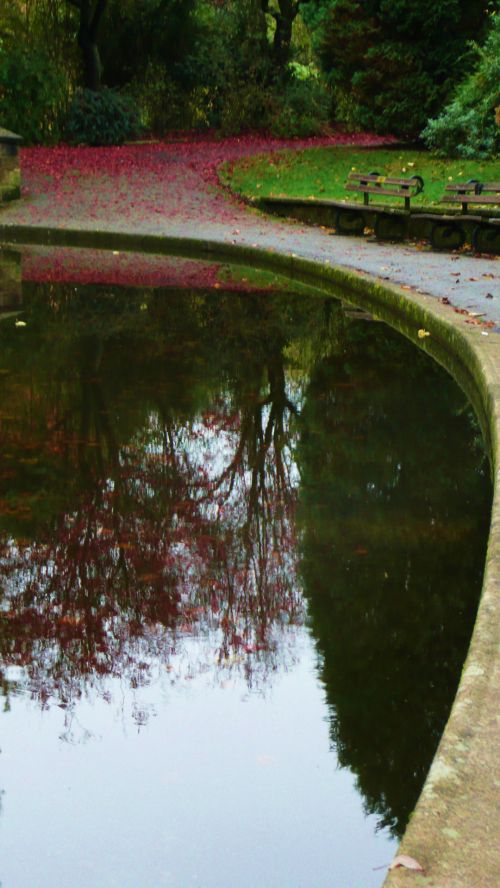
{"type": "Point", "coordinates": [219, 787]}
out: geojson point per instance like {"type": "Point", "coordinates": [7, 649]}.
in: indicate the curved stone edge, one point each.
{"type": "Point", "coordinates": [454, 832]}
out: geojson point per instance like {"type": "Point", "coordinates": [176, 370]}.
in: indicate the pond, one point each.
{"type": "Point", "coordinates": [242, 538]}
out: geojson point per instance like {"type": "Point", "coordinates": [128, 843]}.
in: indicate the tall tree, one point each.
{"type": "Point", "coordinates": [91, 14]}
{"type": "Point", "coordinates": [393, 64]}
{"type": "Point", "coordinates": [284, 16]}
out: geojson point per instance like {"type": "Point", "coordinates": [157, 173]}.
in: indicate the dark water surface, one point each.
{"type": "Point", "coordinates": [242, 538]}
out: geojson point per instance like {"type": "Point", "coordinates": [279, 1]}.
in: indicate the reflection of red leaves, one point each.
{"type": "Point", "coordinates": [360, 550]}
{"type": "Point", "coordinates": [127, 583]}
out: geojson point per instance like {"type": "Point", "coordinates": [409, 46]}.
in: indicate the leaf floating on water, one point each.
{"type": "Point", "coordinates": [20, 323]}
{"type": "Point", "coordinates": [265, 760]}
{"type": "Point", "coordinates": [407, 862]}
{"type": "Point", "coordinates": [423, 333]}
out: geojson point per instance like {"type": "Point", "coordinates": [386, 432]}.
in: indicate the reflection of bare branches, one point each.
{"type": "Point", "coordinates": [162, 548]}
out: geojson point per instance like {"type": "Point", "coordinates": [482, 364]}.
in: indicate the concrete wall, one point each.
{"type": "Point", "coordinates": [10, 174]}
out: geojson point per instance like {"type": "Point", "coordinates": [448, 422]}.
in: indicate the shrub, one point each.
{"type": "Point", "coordinates": [393, 63]}
{"type": "Point", "coordinates": [106, 117]}
{"type": "Point", "coordinates": [470, 125]}
{"type": "Point", "coordinates": [304, 107]}
{"type": "Point", "coordinates": [32, 94]}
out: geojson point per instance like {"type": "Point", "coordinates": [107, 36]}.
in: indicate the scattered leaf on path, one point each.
{"type": "Point", "coordinates": [407, 862]}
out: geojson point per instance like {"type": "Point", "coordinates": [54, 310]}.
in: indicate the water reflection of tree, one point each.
{"type": "Point", "coordinates": [149, 446]}
{"type": "Point", "coordinates": [393, 516]}
{"type": "Point", "coordinates": [124, 530]}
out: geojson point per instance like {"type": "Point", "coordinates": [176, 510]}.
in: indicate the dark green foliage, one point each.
{"type": "Point", "coordinates": [101, 118]}
{"type": "Point", "coordinates": [291, 108]}
{"type": "Point", "coordinates": [231, 65]}
{"type": "Point", "coordinates": [392, 554]}
{"type": "Point", "coordinates": [392, 63]}
{"type": "Point", "coordinates": [389, 66]}
{"type": "Point", "coordinates": [304, 108]}
{"type": "Point", "coordinates": [144, 33]}
{"type": "Point", "coordinates": [469, 125]}
{"type": "Point", "coordinates": [32, 94]}
{"type": "Point", "coordinates": [243, 90]}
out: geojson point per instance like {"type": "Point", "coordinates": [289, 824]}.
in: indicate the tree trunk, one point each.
{"type": "Point", "coordinates": [91, 13]}
{"type": "Point", "coordinates": [284, 17]}
{"type": "Point", "coordinates": [282, 41]}
{"type": "Point", "coordinates": [92, 67]}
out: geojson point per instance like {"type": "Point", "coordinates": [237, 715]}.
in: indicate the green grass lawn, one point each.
{"type": "Point", "coordinates": [322, 172]}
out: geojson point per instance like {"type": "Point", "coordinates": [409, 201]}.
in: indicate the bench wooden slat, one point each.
{"type": "Point", "coordinates": [373, 189]}
{"type": "Point", "coordinates": [409, 182]}
{"type": "Point", "coordinates": [364, 177]}
{"type": "Point", "coordinates": [462, 187]}
{"type": "Point", "coordinates": [381, 180]}
{"type": "Point", "coordinates": [493, 187]}
{"type": "Point", "coordinates": [471, 198]}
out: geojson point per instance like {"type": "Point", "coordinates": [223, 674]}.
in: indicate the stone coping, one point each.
{"type": "Point", "coordinates": [418, 221]}
{"type": "Point", "coordinates": [454, 832]}
{"type": "Point", "coordinates": [277, 204]}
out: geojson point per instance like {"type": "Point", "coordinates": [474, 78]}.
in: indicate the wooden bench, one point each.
{"type": "Point", "coordinates": [472, 192]}
{"type": "Point", "coordinates": [389, 222]}
{"type": "Point", "coordinates": [449, 232]}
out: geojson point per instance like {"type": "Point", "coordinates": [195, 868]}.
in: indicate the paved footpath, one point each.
{"type": "Point", "coordinates": [171, 188]}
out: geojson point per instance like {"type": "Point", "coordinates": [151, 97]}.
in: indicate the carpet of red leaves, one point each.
{"type": "Point", "coordinates": [167, 187]}
{"type": "Point", "coordinates": [134, 183]}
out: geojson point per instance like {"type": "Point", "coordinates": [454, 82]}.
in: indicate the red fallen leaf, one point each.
{"type": "Point", "coordinates": [445, 300]}
{"type": "Point", "coordinates": [360, 550]}
{"type": "Point", "coordinates": [407, 862]}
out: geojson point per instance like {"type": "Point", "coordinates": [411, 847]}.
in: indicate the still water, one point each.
{"type": "Point", "coordinates": [242, 535]}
